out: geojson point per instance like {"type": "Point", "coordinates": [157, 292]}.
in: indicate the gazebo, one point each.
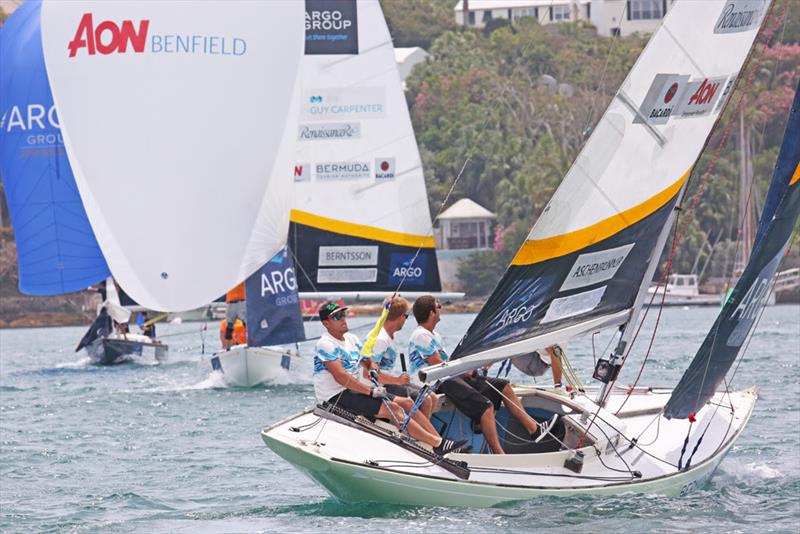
{"type": "Point", "coordinates": [466, 225]}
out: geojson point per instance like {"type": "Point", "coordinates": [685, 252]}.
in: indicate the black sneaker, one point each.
{"type": "Point", "coordinates": [542, 429]}
{"type": "Point", "coordinates": [449, 445]}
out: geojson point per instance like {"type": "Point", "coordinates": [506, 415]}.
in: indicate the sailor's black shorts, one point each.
{"type": "Point", "coordinates": [407, 390]}
{"type": "Point", "coordinates": [474, 395]}
{"type": "Point", "coordinates": [357, 403]}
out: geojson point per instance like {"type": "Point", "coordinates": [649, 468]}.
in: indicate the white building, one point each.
{"type": "Point", "coordinates": [406, 58]}
{"type": "Point", "coordinates": [611, 17]}
{"type": "Point", "coordinates": [462, 230]}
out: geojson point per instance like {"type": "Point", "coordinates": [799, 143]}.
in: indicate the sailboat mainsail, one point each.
{"type": "Point", "coordinates": [171, 115]}
{"type": "Point", "coordinates": [589, 257]}
{"type": "Point", "coordinates": [56, 247]}
{"type": "Point", "coordinates": [361, 208]}
{"type": "Point", "coordinates": [742, 310]}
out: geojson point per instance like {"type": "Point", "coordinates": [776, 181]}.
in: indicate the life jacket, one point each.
{"type": "Point", "coordinates": [239, 336]}
{"type": "Point", "coordinates": [235, 294]}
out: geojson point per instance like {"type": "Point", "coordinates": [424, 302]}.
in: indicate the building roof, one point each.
{"type": "Point", "coordinates": [508, 4]}
{"type": "Point", "coordinates": [402, 54]}
{"type": "Point", "coordinates": [466, 209]}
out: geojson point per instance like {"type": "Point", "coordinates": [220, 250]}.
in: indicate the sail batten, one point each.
{"type": "Point", "coordinates": [600, 235]}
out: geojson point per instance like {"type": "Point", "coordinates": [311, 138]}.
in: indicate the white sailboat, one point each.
{"type": "Point", "coordinates": [586, 266]}
{"type": "Point", "coordinates": [109, 340]}
{"type": "Point", "coordinates": [273, 325]}
{"type": "Point", "coordinates": [361, 223]}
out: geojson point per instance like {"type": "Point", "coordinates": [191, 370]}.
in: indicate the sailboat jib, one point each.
{"type": "Point", "coordinates": [742, 310]}
{"type": "Point", "coordinates": [361, 209]}
{"type": "Point", "coordinates": [172, 115]}
{"type": "Point", "coordinates": [272, 304]}
{"type": "Point", "coordinates": [587, 254]}
{"type": "Point", "coordinates": [56, 248]}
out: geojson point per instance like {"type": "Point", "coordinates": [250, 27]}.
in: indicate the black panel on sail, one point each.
{"type": "Point", "coordinates": [740, 313]}
{"type": "Point", "coordinates": [594, 281]}
{"type": "Point", "coordinates": [330, 261]}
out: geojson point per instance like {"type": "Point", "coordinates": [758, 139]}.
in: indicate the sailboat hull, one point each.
{"type": "Point", "coordinates": [244, 366]}
{"type": "Point", "coordinates": [112, 351]}
{"type": "Point", "coordinates": [380, 471]}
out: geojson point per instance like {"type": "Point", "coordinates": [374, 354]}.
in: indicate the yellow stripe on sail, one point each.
{"type": "Point", "coordinates": [796, 175]}
{"type": "Point", "coordinates": [538, 250]}
{"type": "Point", "coordinates": [361, 230]}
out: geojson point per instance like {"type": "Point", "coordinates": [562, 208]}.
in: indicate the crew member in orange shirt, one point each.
{"type": "Point", "coordinates": [238, 336]}
{"type": "Point", "coordinates": [235, 313]}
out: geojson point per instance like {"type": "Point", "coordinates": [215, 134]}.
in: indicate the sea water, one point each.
{"type": "Point", "coordinates": [167, 448]}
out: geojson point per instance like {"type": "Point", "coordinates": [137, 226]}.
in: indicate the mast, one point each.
{"type": "Point", "coordinates": [747, 230]}
{"type": "Point", "coordinates": [620, 351]}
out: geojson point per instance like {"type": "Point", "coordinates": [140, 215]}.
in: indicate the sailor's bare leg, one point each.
{"type": "Point", "coordinates": [406, 403]}
{"type": "Point", "coordinates": [490, 431]}
{"type": "Point", "coordinates": [413, 429]}
{"type": "Point", "coordinates": [514, 405]}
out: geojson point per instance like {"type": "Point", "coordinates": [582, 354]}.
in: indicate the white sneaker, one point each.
{"type": "Point", "coordinates": [544, 428]}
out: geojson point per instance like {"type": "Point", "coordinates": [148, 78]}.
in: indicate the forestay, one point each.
{"type": "Point", "coordinates": [743, 309]}
{"type": "Point", "coordinates": [172, 115]}
{"type": "Point", "coordinates": [361, 209]}
{"type": "Point", "coordinates": [56, 248]}
{"type": "Point", "coordinates": [582, 266]}
{"type": "Point", "coordinates": [273, 306]}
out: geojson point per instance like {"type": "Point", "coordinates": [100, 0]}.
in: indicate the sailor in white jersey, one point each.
{"type": "Point", "coordinates": [385, 353]}
{"type": "Point", "coordinates": [336, 381]}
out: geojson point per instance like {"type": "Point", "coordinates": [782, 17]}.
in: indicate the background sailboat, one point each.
{"type": "Point", "coordinates": [56, 247]}
{"type": "Point", "coordinates": [274, 326]}
{"type": "Point", "coordinates": [361, 222]}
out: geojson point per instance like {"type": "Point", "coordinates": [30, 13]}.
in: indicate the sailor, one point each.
{"type": "Point", "coordinates": [238, 335]}
{"type": "Point", "coordinates": [475, 394]}
{"type": "Point", "coordinates": [148, 330]}
{"type": "Point", "coordinates": [336, 381]}
{"type": "Point", "coordinates": [235, 301]}
{"type": "Point", "coordinates": [384, 358]}
{"type": "Point", "coordinates": [538, 362]}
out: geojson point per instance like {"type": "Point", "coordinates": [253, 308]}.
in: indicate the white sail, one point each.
{"type": "Point", "coordinates": [361, 208]}
{"type": "Point", "coordinates": [585, 259]}
{"type": "Point", "coordinates": [172, 115]}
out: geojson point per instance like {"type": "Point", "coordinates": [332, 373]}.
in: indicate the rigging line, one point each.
{"type": "Point", "coordinates": [299, 264]}
{"type": "Point", "coordinates": [614, 40]}
{"type": "Point", "coordinates": [619, 455]}
{"type": "Point", "coordinates": [726, 132]}
{"type": "Point", "coordinates": [439, 212]}
{"type": "Point", "coordinates": [657, 420]}
{"type": "Point", "coordinates": [634, 443]}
